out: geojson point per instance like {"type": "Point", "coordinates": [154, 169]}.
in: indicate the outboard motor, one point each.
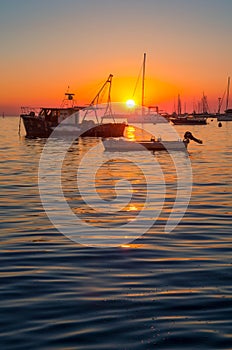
{"type": "Point", "coordinates": [189, 136]}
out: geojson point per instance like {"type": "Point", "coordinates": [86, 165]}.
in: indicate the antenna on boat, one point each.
{"type": "Point", "coordinates": [70, 96]}
{"type": "Point", "coordinates": [68, 100]}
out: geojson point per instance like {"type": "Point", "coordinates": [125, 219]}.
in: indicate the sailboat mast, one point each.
{"type": "Point", "coordinates": [228, 93]}
{"type": "Point", "coordinates": [179, 105]}
{"type": "Point", "coordinates": [143, 82]}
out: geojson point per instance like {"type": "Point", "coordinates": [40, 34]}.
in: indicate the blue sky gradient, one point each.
{"type": "Point", "coordinates": [55, 43]}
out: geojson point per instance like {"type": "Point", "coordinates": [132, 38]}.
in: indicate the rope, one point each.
{"type": "Point", "coordinates": [136, 85]}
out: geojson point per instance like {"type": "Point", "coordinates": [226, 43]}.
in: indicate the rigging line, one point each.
{"type": "Point", "coordinates": [139, 76]}
{"type": "Point", "coordinates": [223, 96]}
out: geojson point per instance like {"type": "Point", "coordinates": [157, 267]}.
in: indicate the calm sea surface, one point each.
{"type": "Point", "coordinates": [161, 291]}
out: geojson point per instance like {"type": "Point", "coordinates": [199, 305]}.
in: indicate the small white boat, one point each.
{"type": "Point", "coordinates": [117, 145]}
{"type": "Point", "coordinates": [113, 145]}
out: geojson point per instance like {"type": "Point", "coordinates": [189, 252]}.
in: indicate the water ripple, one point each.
{"type": "Point", "coordinates": [163, 291]}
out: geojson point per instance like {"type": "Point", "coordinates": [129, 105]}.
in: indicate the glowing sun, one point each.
{"type": "Point", "coordinates": [130, 103]}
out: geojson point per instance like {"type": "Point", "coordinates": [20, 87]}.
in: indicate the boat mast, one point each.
{"type": "Point", "coordinates": [219, 105]}
{"type": "Point", "coordinates": [179, 105]}
{"type": "Point", "coordinates": [143, 82]}
{"type": "Point", "coordinates": [228, 93]}
{"type": "Point", "coordinates": [205, 106]}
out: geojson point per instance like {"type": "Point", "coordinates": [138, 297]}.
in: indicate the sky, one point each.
{"type": "Point", "coordinates": [48, 45]}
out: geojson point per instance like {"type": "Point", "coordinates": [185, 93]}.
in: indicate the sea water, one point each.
{"type": "Point", "coordinates": [162, 290]}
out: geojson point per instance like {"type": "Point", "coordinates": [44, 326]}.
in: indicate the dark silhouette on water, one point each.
{"type": "Point", "coordinates": [43, 123]}
{"type": "Point", "coordinates": [189, 136]}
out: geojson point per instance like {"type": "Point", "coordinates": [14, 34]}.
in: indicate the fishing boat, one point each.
{"type": "Point", "coordinates": [41, 123]}
{"type": "Point", "coordinates": [117, 145]}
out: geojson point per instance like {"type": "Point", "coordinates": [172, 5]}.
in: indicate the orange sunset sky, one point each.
{"type": "Point", "coordinates": [49, 45]}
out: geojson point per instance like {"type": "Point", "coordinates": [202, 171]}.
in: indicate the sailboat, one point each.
{"type": "Point", "coordinates": [123, 144]}
{"type": "Point", "coordinates": [147, 115]}
{"type": "Point", "coordinates": [188, 119]}
{"type": "Point", "coordinates": [227, 116]}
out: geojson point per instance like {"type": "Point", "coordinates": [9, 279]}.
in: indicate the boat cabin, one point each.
{"type": "Point", "coordinates": [57, 115]}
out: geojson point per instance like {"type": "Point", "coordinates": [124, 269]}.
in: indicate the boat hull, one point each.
{"type": "Point", "coordinates": [224, 118]}
{"type": "Point", "coordinates": [123, 145]}
{"type": "Point", "coordinates": [38, 128]}
{"type": "Point", "coordinates": [188, 121]}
